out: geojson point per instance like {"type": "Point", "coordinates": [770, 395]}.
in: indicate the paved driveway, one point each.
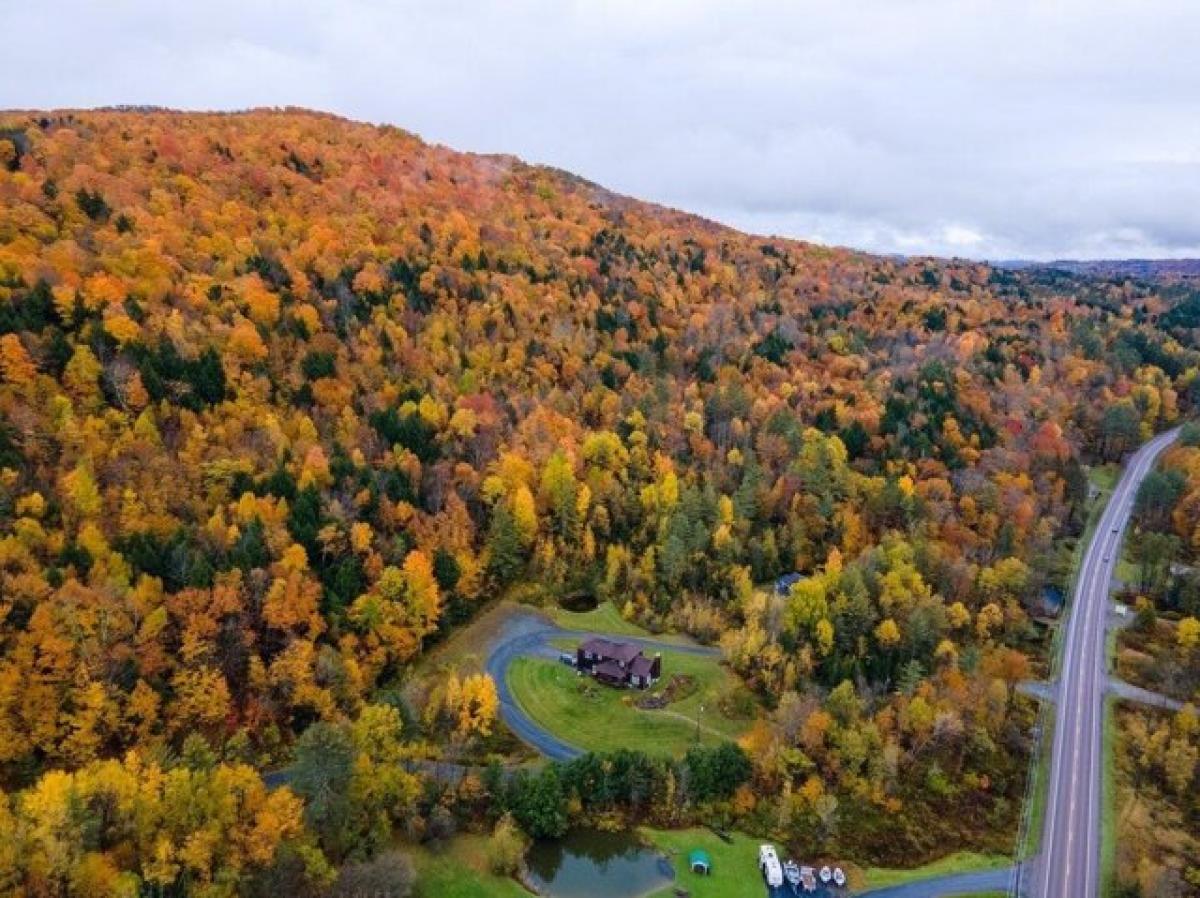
{"type": "Point", "coordinates": [942, 886]}
{"type": "Point", "coordinates": [529, 634]}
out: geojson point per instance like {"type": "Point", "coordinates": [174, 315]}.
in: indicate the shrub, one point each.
{"type": "Point", "coordinates": [388, 875]}
{"type": "Point", "coordinates": [506, 847]}
{"type": "Point", "coordinates": [1189, 434]}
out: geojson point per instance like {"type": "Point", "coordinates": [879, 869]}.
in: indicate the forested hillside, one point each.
{"type": "Point", "coordinates": [1158, 753]}
{"type": "Point", "coordinates": [286, 398]}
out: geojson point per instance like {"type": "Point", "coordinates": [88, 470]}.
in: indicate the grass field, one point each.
{"type": "Point", "coordinates": [959, 862]}
{"type": "Point", "coordinates": [604, 618]}
{"type": "Point", "coordinates": [458, 869]}
{"type": "Point", "coordinates": [592, 716]}
{"type": "Point", "coordinates": [1104, 477]}
{"type": "Point", "coordinates": [735, 864]}
{"type": "Point", "coordinates": [467, 648]}
{"type": "Point", "coordinates": [1108, 798]}
{"type": "Point", "coordinates": [1041, 785]}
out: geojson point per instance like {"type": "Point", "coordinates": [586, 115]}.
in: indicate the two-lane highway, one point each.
{"type": "Point", "coordinates": [1069, 866]}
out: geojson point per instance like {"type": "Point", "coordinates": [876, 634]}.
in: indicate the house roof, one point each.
{"type": "Point", "coordinates": [610, 670]}
{"type": "Point", "coordinates": [784, 583]}
{"type": "Point", "coordinates": [641, 666]}
{"type": "Point", "coordinates": [607, 649]}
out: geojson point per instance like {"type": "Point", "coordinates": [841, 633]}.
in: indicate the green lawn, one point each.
{"type": "Point", "coordinates": [1108, 796]}
{"type": "Point", "coordinates": [959, 862]}
{"type": "Point", "coordinates": [734, 864]}
{"type": "Point", "coordinates": [1041, 784]}
{"type": "Point", "coordinates": [1104, 477]}
{"type": "Point", "coordinates": [1128, 572]}
{"type": "Point", "coordinates": [458, 869]}
{"type": "Point", "coordinates": [592, 716]}
{"type": "Point", "coordinates": [604, 618]}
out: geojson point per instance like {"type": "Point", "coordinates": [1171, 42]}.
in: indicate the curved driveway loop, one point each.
{"type": "Point", "coordinates": [528, 634]}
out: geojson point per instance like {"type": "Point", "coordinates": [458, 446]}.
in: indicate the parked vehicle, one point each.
{"type": "Point", "coordinates": [826, 875]}
{"type": "Point", "coordinates": [839, 877]}
{"type": "Point", "coordinates": [808, 881]}
{"type": "Point", "coordinates": [768, 865]}
{"type": "Point", "coordinates": [791, 872]}
{"type": "Point", "coordinates": [567, 658]}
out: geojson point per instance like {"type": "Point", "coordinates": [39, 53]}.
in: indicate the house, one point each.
{"type": "Point", "coordinates": [784, 584]}
{"type": "Point", "coordinates": [618, 663]}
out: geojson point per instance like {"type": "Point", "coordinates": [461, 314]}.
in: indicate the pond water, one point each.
{"type": "Point", "coordinates": [594, 864]}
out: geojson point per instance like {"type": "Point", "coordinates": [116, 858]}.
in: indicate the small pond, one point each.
{"type": "Point", "coordinates": [594, 864]}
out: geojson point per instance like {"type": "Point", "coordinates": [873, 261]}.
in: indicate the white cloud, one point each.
{"type": "Point", "coordinates": [994, 128]}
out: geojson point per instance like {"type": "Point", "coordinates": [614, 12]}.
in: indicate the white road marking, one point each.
{"type": "Point", "coordinates": [1079, 722]}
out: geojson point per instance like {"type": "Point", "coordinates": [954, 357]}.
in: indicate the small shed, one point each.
{"type": "Point", "coordinates": [700, 862]}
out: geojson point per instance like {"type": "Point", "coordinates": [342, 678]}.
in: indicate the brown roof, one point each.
{"type": "Point", "coordinates": [610, 670]}
{"type": "Point", "coordinates": [607, 649]}
{"type": "Point", "coordinates": [641, 666]}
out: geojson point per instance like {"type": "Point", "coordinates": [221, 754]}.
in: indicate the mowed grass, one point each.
{"type": "Point", "coordinates": [1104, 477]}
{"type": "Point", "coordinates": [959, 862]}
{"type": "Point", "coordinates": [466, 649]}
{"type": "Point", "coordinates": [458, 869]}
{"type": "Point", "coordinates": [1041, 785]}
{"type": "Point", "coordinates": [1108, 796]}
{"type": "Point", "coordinates": [595, 717]}
{"type": "Point", "coordinates": [734, 864]}
{"type": "Point", "coordinates": [604, 618]}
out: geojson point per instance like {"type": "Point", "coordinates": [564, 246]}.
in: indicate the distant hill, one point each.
{"type": "Point", "coordinates": [1139, 268]}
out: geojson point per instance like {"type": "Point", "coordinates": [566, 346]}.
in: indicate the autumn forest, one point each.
{"type": "Point", "coordinates": [287, 402]}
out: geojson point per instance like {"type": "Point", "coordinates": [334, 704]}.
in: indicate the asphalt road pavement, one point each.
{"type": "Point", "coordinates": [1069, 866]}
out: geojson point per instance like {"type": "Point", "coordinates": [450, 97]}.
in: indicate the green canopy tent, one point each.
{"type": "Point", "coordinates": [700, 862]}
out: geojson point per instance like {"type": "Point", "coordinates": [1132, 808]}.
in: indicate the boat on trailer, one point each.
{"type": "Point", "coordinates": [791, 872]}
{"type": "Point", "coordinates": [808, 881]}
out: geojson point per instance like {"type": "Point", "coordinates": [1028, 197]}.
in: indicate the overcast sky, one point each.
{"type": "Point", "coordinates": [984, 128]}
